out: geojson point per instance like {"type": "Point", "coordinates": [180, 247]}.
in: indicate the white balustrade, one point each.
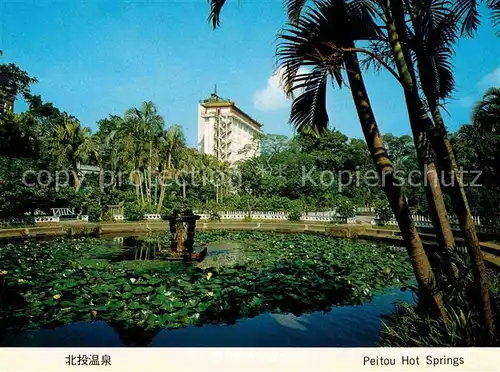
{"type": "Point", "coordinates": [46, 219]}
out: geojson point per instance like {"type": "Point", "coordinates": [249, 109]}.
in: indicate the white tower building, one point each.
{"type": "Point", "coordinates": [225, 131]}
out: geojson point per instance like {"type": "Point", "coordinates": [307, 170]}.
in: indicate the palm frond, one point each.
{"type": "Point", "coordinates": [215, 9]}
{"type": "Point", "coordinates": [486, 113]}
{"type": "Point", "coordinates": [294, 9]}
{"type": "Point", "coordinates": [468, 14]}
{"type": "Point", "coordinates": [308, 114]}
{"type": "Point", "coordinates": [434, 32]}
{"type": "Point", "coordinates": [382, 50]}
{"type": "Point", "coordinates": [494, 6]}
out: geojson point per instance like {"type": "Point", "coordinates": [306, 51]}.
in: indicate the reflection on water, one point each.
{"type": "Point", "coordinates": [349, 326]}
{"type": "Point", "coordinates": [140, 249]}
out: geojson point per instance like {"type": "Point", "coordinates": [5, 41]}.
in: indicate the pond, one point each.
{"type": "Point", "coordinates": [252, 289]}
{"type": "Point", "coordinates": [347, 326]}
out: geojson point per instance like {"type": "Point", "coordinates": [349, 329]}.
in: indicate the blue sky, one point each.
{"type": "Point", "coordinates": [94, 58]}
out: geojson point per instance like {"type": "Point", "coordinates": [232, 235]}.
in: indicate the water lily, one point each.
{"type": "Point", "coordinates": [209, 275]}
{"type": "Point", "coordinates": [132, 280]}
{"type": "Point", "coordinates": [4, 272]}
{"type": "Point", "coordinates": [56, 296]}
{"type": "Point", "coordinates": [20, 280]}
{"type": "Point", "coordinates": [210, 294]}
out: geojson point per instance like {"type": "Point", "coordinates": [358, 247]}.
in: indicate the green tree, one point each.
{"type": "Point", "coordinates": [74, 145]}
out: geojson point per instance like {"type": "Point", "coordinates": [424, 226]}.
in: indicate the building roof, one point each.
{"type": "Point", "coordinates": [215, 101]}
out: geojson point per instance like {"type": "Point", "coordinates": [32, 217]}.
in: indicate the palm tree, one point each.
{"type": "Point", "coordinates": [323, 40]}
{"type": "Point", "coordinates": [486, 113]}
{"type": "Point", "coordinates": [172, 143]}
{"type": "Point", "coordinates": [148, 126]}
{"type": "Point", "coordinates": [132, 155]}
{"type": "Point", "coordinates": [73, 145]}
{"type": "Point", "coordinates": [189, 162]}
{"type": "Point", "coordinates": [435, 30]}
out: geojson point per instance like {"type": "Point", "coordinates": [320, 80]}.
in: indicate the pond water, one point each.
{"type": "Point", "coordinates": [347, 326]}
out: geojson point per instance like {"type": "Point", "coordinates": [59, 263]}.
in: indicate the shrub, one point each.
{"type": "Point", "coordinates": [94, 212]}
{"type": "Point", "coordinates": [345, 208]}
{"type": "Point", "coordinates": [295, 213]}
{"type": "Point", "coordinates": [247, 218]}
{"type": "Point", "coordinates": [107, 216]}
{"type": "Point", "coordinates": [383, 211]}
{"type": "Point", "coordinates": [135, 211]}
{"type": "Point", "coordinates": [412, 326]}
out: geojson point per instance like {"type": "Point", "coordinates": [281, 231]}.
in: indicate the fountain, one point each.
{"type": "Point", "coordinates": [182, 231]}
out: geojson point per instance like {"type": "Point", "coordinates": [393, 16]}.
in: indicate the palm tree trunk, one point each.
{"type": "Point", "coordinates": [150, 171]}
{"type": "Point", "coordinates": [446, 153]}
{"type": "Point", "coordinates": [464, 216]}
{"type": "Point", "coordinates": [140, 188]}
{"type": "Point", "coordinates": [162, 191]}
{"type": "Point", "coordinates": [76, 180]}
{"type": "Point", "coordinates": [184, 189]}
{"type": "Point", "coordinates": [418, 257]}
{"type": "Point", "coordinates": [419, 120]}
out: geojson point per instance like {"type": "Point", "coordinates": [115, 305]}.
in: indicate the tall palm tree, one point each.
{"type": "Point", "coordinates": [73, 145]}
{"type": "Point", "coordinates": [172, 143]}
{"type": "Point", "coordinates": [393, 15]}
{"type": "Point", "coordinates": [148, 125]}
{"type": "Point", "coordinates": [188, 163]}
{"type": "Point", "coordinates": [324, 40]}
{"type": "Point", "coordinates": [436, 26]}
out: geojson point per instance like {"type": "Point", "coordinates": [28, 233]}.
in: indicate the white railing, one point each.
{"type": "Point", "coordinates": [152, 216]}
{"type": "Point", "coordinates": [278, 216]}
{"type": "Point", "coordinates": [11, 221]}
{"type": "Point", "coordinates": [365, 210]}
{"type": "Point", "coordinates": [424, 221]}
{"type": "Point", "coordinates": [46, 219]}
{"type": "Point", "coordinates": [63, 211]}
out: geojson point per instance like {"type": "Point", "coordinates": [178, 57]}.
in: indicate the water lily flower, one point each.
{"type": "Point", "coordinates": [56, 296]}
{"type": "Point", "coordinates": [20, 280]}
{"type": "Point", "coordinates": [210, 294]}
{"type": "Point", "coordinates": [209, 275]}
{"type": "Point", "coordinates": [132, 280]}
{"type": "Point", "coordinates": [4, 272]}
{"type": "Point", "coordinates": [392, 256]}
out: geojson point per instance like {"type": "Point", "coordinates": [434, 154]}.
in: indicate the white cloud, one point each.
{"type": "Point", "coordinates": [273, 97]}
{"type": "Point", "coordinates": [492, 79]}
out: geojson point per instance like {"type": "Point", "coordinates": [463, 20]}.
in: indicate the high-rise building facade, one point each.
{"type": "Point", "coordinates": [225, 131]}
